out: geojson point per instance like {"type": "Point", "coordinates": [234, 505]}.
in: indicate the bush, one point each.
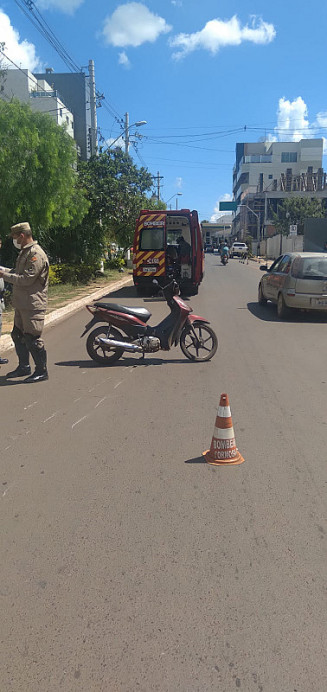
{"type": "Point", "coordinates": [53, 278]}
{"type": "Point", "coordinates": [115, 263]}
{"type": "Point", "coordinates": [72, 273]}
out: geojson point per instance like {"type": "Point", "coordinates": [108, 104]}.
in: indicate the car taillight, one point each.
{"type": "Point", "coordinates": [291, 292]}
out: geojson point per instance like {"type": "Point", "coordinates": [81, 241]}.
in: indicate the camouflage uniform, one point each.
{"type": "Point", "coordinates": [30, 289]}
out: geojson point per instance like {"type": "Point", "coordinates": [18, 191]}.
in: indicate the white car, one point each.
{"type": "Point", "coordinates": [238, 249]}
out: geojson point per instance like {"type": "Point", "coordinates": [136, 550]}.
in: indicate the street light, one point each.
{"type": "Point", "coordinates": [177, 194]}
{"type": "Point", "coordinates": [127, 128]}
{"type": "Point", "coordinates": [258, 219]}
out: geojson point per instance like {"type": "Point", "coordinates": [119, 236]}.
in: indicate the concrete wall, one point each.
{"type": "Point", "coordinates": [277, 245]}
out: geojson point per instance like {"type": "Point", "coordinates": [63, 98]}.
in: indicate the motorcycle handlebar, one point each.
{"type": "Point", "coordinates": [170, 288]}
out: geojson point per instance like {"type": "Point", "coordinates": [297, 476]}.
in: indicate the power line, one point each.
{"type": "Point", "coordinates": [38, 21]}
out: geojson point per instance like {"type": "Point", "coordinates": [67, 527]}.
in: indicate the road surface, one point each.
{"type": "Point", "coordinates": [129, 564]}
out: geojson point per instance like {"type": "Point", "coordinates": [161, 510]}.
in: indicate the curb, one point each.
{"type": "Point", "coordinates": [6, 342]}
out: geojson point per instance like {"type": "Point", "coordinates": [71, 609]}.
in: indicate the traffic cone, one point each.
{"type": "Point", "coordinates": [223, 450]}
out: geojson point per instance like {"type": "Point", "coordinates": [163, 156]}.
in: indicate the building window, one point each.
{"type": "Point", "coordinates": [289, 157]}
{"type": "Point", "coordinates": [270, 177]}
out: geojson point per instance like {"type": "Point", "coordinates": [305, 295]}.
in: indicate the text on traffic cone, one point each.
{"type": "Point", "coordinates": [223, 450]}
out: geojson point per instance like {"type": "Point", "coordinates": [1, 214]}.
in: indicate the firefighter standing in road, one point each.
{"type": "Point", "coordinates": [3, 361]}
{"type": "Point", "coordinates": [30, 289]}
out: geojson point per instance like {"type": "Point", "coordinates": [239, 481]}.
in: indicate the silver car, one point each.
{"type": "Point", "coordinates": [295, 280]}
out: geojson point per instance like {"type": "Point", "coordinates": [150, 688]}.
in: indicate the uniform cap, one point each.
{"type": "Point", "coordinates": [20, 228]}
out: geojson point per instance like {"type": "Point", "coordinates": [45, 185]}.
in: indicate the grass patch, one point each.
{"type": "Point", "coordinates": [62, 294]}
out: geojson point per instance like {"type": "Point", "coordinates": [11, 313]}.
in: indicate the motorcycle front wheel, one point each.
{"type": "Point", "coordinates": [98, 351]}
{"type": "Point", "coordinates": [198, 342]}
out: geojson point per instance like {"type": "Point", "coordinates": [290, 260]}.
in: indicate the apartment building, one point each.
{"type": "Point", "coordinates": [78, 92]}
{"type": "Point", "coordinates": [265, 173]}
{"type": "Point", "coordinates": [70, 98]}
{"type": "Point", "coordinates": [40, 95]}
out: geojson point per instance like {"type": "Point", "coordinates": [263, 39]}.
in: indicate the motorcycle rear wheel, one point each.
{"type": "Point", "coordinates": [198, 342]}
{"type": "Point", "coordinates": [98, 352]}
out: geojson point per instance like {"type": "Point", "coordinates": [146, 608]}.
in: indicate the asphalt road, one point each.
{"type": "Point", "coordinates": [129, 564]}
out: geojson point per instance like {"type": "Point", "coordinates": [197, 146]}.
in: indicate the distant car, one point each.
{"type": "Point", "coordinates": [208, 248]}
{"type": "Point", "coordinates": [238, 249]}
{"type": "Point", "coordinates": [295, 280]}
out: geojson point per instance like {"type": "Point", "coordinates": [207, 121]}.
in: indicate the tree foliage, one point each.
{"type": "Point", "coordinates": [116, 190]}
{"type": "Point", "coordinates": [38, 179]}
{"type": "Point", "coordinates": [294, 210]}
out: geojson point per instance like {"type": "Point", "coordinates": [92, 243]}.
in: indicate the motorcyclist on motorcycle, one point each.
{"type": "Point", "coordinates": [224, 252]}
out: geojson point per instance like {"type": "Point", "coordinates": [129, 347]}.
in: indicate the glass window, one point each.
{"type": "Point", "coordinates": [289, 157]}
{"type": "Point", "coordinates": [152, 238]}
{"type": "Point", "coordinates": [313, 268]}
{"type": "Point", "coordinates": [284, 265]}
{"type": "Point", "coordinates": [275, 264]}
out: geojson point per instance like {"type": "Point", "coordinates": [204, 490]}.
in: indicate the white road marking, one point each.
{"type": "Point", "coordinates": [78, 421]}
{"type": "Point", "coordinates": [75, 400]}
{"type": "Point", "coordinates": [118, 383]}
{"type": "Point", "coordinates": [30, 405]}
{"type": "Point", "coordinates": [53, 415]}
{"type": "Point", "coordinates": [100, 402]}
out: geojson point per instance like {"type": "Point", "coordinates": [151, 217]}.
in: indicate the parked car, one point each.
{"type": "Point", "coordinates": [238, 249]}
{"type": "Point", "coordinates": [295, 280]}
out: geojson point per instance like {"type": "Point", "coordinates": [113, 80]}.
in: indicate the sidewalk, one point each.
{"type": "Point", "coordinates": [6, 342]}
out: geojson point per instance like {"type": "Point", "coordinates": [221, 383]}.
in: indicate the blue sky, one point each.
{"type": "Point", "coordinates": [203, 74]}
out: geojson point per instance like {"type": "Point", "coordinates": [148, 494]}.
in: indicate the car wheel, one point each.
{"type": "Point", "coordinates": [261, 299]}
{"type": "Point", "coordinates": [282, 309]}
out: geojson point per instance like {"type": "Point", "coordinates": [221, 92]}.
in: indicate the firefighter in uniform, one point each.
{"type": "Point", "coordinates": [30, 280]}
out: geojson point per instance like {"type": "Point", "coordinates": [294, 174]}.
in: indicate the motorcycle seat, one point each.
{"type": "Point", "coordinates": [140, 313]}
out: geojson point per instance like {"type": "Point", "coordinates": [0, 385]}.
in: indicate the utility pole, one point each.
{"type": "Point", "coordinates": [157, 178]}
{"type": "Point", "coordinates": [126, 128]}
{"type": "Point", "coordinates": [93, 109]}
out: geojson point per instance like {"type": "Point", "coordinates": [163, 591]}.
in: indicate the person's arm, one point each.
{"type": "Point", "coordinates": [32, 270]}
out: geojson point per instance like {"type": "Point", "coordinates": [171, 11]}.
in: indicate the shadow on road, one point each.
{"type": "Point", "coordinates": [268, 313]}
{"type": "Point", "coordinates": [122, 293]}
{"type": "Point", "coordinates": [196, 460]}
{"type": "Point", "coordinates": [123, 363]}
{"type": "Point", "coordinates": [9, 383]}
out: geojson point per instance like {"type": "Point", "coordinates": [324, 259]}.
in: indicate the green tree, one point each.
{"type": "Point", "coordinates": [116, 190]}
{"type": "Point", "coordinates": [294, 210]}
{"type": "Point", "coordinates": [38, 178]}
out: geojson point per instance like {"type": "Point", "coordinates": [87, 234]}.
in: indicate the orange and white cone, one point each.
{"type": "Point", "coordinates": [223, 450]}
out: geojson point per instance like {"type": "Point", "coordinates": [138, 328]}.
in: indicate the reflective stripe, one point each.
{"type": "Point", "coordinates": [220, 434]}
{"type": "Point", "coordinates": [224, 411]}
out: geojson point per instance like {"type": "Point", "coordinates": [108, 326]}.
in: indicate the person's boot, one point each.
{"type": "Point", "coordinates": [40, 359]}
{"type": "Point", "coordinates": [22, 351]}
{"type": "Point", "coordinates": [21, 371]}
{"type": "Point", "coordinates": [38, 376]}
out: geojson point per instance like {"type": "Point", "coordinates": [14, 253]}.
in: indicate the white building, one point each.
{"type": "Point", "coordinates": [265, 173]}
{"type": "Point", "coordinates": [42, 98]}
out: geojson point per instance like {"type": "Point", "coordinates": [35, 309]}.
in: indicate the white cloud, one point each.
{"type": "Point", "coordinates": [20, 52]}
{"type": "Point", "coordinates": [293, 122]}
{"type": "Point", "coordinates": [124, 60]}
{"type": "Point", "coordinates": [218, 33]}
{"type": "Point", "coordinates": [133, 24]}
{"type": "Point", "coordinates": [67, 6]}
{"type": "Point", "coordinates": [216, 213]}
{"type": "Point", "coordinates": [179, 182]}
{"type": "Point", "coordinates": [120, 143]}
